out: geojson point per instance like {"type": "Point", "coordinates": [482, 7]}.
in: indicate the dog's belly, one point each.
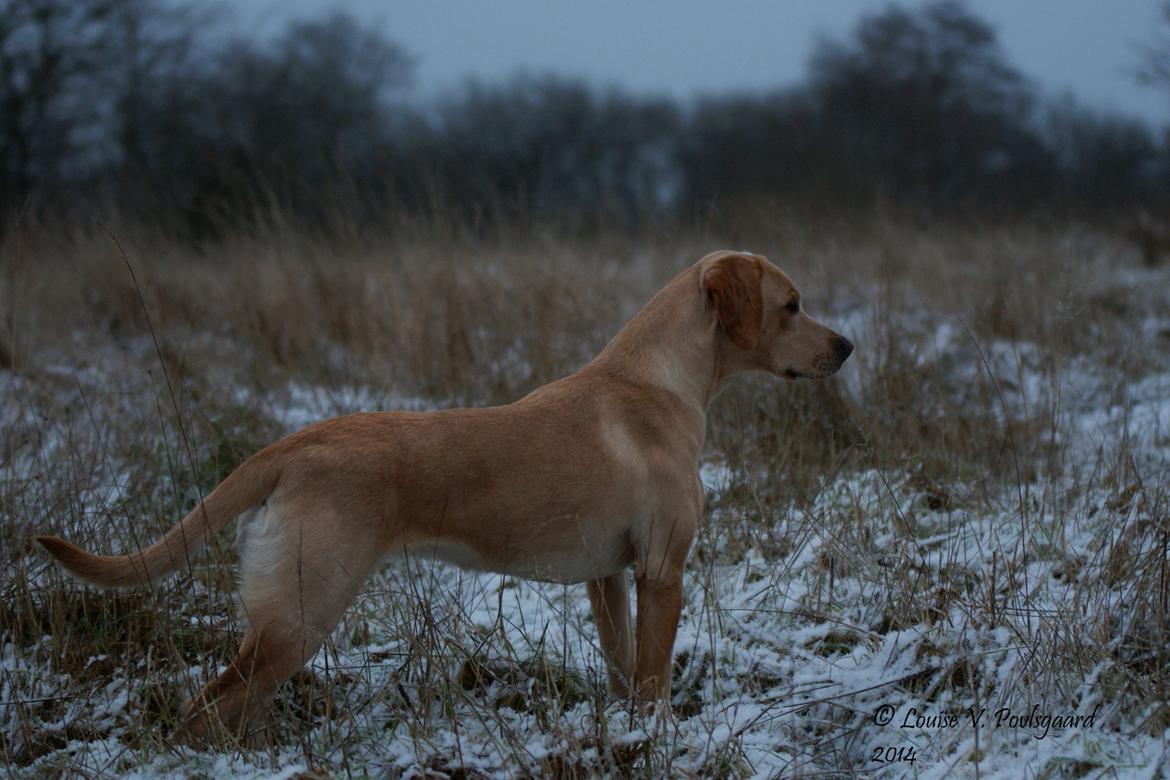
{"type": "Point", "coordinates": [563, 559]}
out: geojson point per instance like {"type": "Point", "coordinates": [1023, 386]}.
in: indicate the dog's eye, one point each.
{"type": "Point", "coordinates": [793, 306]}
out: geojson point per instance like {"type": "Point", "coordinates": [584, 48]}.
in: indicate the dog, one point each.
{"type": "Point", "coordinates": [575, 482]}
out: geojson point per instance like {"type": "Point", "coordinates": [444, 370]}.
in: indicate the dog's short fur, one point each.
{"type": "Point", "coordinates": [575, 482]}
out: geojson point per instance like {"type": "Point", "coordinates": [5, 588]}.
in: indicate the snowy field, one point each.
{"type": "Point", "coordinates": [999, 616]}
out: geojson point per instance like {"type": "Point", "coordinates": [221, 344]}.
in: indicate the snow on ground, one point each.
{"type": "Point", "coordinates": [771, 680]}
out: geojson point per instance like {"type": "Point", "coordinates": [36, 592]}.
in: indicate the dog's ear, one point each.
{"type": "Point", "coordinates": [733, 286]}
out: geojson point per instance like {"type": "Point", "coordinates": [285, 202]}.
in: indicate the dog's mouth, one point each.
{"type": "Point", "coordinates": [819, 372]}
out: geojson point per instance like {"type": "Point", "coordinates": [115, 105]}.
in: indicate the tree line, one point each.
{"type": "Point", "coordinates": [146, 107]}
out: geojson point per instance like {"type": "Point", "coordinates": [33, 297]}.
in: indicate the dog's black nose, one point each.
{"type": "Point", "coordinates": [844, 348]}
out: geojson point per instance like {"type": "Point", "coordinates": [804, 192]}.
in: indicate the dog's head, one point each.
{"type": "Point", "coordinates": [759, 312]}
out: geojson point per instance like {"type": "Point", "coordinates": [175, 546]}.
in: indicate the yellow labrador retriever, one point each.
{"type": "Point", "coordinates": [575, 482]}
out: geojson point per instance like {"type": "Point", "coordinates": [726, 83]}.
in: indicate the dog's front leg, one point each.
{"type": "Point", "coordinates": [659, 607]}
{"type": "Point", "coordinates": [658, 574]}
{"type": "Point", "coordinates": [610, 597]}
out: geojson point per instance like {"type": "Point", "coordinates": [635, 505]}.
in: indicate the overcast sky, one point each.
{"type": "Point", "coordinates": [684, 47]}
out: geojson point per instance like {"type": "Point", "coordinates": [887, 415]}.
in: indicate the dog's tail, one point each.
{"type": "Point", "coordinates": [245, 487]}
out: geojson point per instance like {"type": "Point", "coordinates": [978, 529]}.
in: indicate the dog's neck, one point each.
{"type": "Point", "coordinates": [671, 344]}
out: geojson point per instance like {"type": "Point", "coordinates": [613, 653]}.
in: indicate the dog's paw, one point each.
{"type": "Point", "coordinates": [197, 726]}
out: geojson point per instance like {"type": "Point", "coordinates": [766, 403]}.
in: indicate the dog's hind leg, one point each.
{"type": "Point", "coordinates": [268, 656]}
{"type": "Point", "coordinates": [294, 589]}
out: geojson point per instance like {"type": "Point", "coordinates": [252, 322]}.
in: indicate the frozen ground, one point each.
{"type": "Point", "coordinates": [795, 658]}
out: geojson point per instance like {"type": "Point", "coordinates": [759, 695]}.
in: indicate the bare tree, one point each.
{"type": "Point", "coordinates": [156, 42]}
{"type": "Point", "coordinates": [917, 106]}
{"type": "Point", "coordinates": [254, 124]}
{"type": "Point", "coordinates": [1154, 67]}
{"type": "Point", "coordinates": [1104, 160]}
{"type": "Point", "coordinates": [72, 73]}
{"type": "Point", "coordinates": [926, 100]}
{"type": "Point", "coordinates": [552, 147]}
{"type": "Point", "coordinates": [48, 51]}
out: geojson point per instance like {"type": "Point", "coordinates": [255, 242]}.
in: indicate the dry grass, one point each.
{"type": "Point", "coordinates": [860, 490]}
